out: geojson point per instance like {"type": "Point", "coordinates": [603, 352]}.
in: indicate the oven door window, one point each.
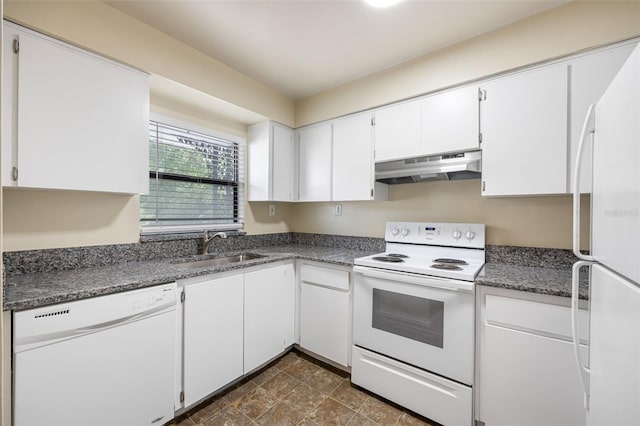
{"type": "Point", "coordinates": [412, 317]}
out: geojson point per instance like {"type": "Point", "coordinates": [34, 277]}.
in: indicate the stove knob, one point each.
{"type": "Point", "coordinates": [469, 235]}
{"type": "Point", "coordinates": [456, 234]}
{"type": "Point", "coordinates": [394, 231]}
{"type": "Point", "coordinates": [405, 232]}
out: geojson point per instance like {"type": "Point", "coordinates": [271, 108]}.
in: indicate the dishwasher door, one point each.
{"type": "Point", "coordinates": [102, 361]}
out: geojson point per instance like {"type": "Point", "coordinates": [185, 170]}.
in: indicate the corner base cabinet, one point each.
{"type": "Point", "coordinates": [232, 323]}
{"type": "Point", "coordinates": [213, 339]}
{"type": "Point", "coordinates": [269, 298]}
{"type": "Point", "coordinates": [527, 373]}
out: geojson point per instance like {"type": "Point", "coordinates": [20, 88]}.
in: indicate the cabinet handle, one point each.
{"type": "Point", "coordinates": [483, 186]}
{"type": "Point", "coordinates": [16, 45]}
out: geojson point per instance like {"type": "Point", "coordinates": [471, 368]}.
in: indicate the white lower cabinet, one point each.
{"type": "Point", "coordinates": [325, 312]}
{"type": "Point", "coordinates": [527, 372]}
{"type": "Point", "coordinates": [268, 314]}
{"type": "Point", "coordinates": [213, 330]}
{"type": "Point", "coordinates": [232, 323]}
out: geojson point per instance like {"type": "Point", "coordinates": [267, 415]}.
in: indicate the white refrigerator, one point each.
{"type": "Point", "coordinates": [611, 374]}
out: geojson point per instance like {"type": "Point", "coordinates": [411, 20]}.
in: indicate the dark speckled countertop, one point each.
{"type": "Point", "coordinates": [556, 282]}
{"type": "Point", "coordinates": [45, 288]}
{"type": "Point", "coordinates": [45, 277]}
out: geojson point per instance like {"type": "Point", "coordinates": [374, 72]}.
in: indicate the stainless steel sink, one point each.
{"type": "Point", "coordinates": [216, 261]}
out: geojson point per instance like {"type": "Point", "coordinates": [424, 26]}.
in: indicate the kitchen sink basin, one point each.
{"type": "Point", "coordinates": [216, 261]}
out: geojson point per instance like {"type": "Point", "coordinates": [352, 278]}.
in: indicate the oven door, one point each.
{"type": "Point", "coordinates": [423, 321]}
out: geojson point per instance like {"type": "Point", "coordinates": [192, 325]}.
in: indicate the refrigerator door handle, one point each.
{"type": "Point", "coordinates": [583, 370]}
{"type": "Point", "coordinates": [586, 130]}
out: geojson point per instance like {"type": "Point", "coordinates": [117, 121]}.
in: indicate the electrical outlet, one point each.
{"type": "Point", "coordinates": [338, 209]}
{"type": "Point", "coordinates": [272, 209]}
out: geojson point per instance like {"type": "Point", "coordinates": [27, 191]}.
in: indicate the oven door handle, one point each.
{"type": "Point", "coordinates": [407, 277]}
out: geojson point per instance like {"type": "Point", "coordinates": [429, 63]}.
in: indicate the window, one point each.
{"type": "Point", "coordinates": [195, 181]}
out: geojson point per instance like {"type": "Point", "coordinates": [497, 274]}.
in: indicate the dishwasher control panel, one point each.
{"type": "Point", "coordinates": [71, 319]}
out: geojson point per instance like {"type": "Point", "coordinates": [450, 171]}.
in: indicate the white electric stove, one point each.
{"type": "Point", "coordinates": [414, 318]}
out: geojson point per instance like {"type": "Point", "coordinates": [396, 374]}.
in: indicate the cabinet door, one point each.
{"type": "Point", "coordinates": [213, 327]}
{"type": "Point", "coordinates": [282, 163]}
{"type": "Point", "coordinates": [315, 163]}
{"type": "Point", "coordinates": [529, 380]}
{"type": "Point", "coordinates": [590, 76]}
{"type": "Point", "coordinates": [450, 121]}
{"type": "Point", "coordinates": [9, 94]}
{"type": "Point", "coordinates": [259, 162]}
{"type": "Point", "coordinates": [268, 319]}
{"type": "Point", "coordinates": [527, 371]}
{"type": "Point", "coordinates": [524, 133]}
{"type": "Point", "coordinates": [353, 158]}
{"type": "Point", "coordinates": [82, 121]}
{"type": "Point", "coordinates": [324, 322]}
{"type": "Point", "coordinates": [397, 131]}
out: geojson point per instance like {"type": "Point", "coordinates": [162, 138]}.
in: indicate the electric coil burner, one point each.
{"type": "Point", "coordinates": [389, 259]}
{"type": "Point", "coordinates": [450, 261]}
{"type": "Point", "coordinates": [446, 266]}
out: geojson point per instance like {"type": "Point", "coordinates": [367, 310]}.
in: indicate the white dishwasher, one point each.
{"type": "Point", "coordinates": [103, 361]}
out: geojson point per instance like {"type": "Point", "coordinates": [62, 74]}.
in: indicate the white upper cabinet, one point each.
{"type": "Point", "coordinates": [353, 168]}
{"type": "Point", "coordinates": [72, 120]}
{"type": "Point", "coordinates": [271, 162]}
{"type": "Point", "coordinates": [590, 76]}
{"type": "Point", "coordinates": [314, 162]}
{"type": "Point", "coordinates": [450, 121]}
{"type": "Point", "coordinates": [524, 133]}
{"type": "Point", "coordinates": [397, 131]}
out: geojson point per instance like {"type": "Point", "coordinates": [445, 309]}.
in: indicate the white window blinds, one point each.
{"type": "Point", "coordinates": [196, 182]}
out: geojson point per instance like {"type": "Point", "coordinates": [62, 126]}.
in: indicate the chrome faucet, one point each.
{"type": "Point", "coordinates": [207, 240]}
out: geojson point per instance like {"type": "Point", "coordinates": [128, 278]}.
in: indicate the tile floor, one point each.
{"type": "Point", "coordinates": [297, 390]}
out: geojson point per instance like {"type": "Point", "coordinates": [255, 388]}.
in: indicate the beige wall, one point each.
{"type": "Point", "coordinates": [96, 26]}
{"type": "Point", "coordinates": [537, 222]}
{"type": "Point", "coordinates": [43, 219]}
{"type": "Point", "coordinates": [560, 31]}
{"type": "Point", "coordinates": [518, 221]}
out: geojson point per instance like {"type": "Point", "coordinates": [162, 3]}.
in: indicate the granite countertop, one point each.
{"type": "Point", "coordinates": [556, 282]}
{"type": "Point", "coordinates": [39, 289]}
{"type": "Point", "coordinates": [33, 289]}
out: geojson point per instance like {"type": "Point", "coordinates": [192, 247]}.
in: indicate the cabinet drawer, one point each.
{"type": "Point", "coordinates": [327, 277]}
{"type": "Point", "coordinates": [536, 317]}
{"type": "Point", "coordinates": [449, 402]}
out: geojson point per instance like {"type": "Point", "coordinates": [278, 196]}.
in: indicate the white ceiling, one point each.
{"type": "Point", "coordinates": [303, 47]}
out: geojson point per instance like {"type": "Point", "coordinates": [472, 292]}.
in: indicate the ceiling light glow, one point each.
{"type": "Point", "coordinates": [382, 3]}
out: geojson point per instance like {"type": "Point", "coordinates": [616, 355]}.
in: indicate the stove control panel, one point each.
{"type": "Point", "coordinates": [469, 235]}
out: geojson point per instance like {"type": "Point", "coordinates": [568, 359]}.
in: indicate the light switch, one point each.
{"type": "Point", "coordinates": [272, 209]}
